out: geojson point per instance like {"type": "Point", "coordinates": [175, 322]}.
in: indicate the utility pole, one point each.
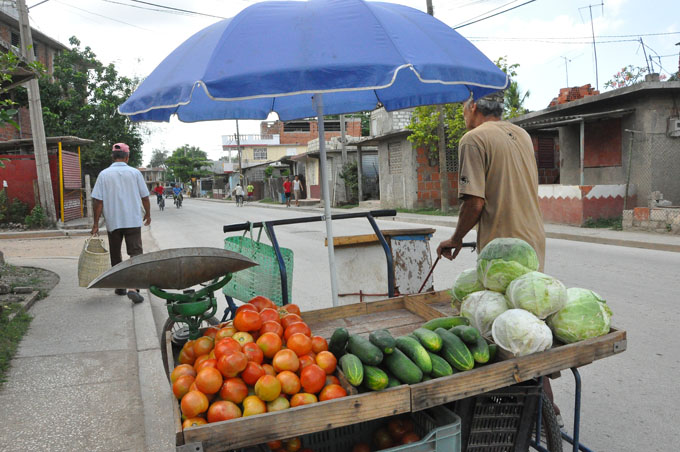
{"type": "Point", "coordinates": [238, 150]}
{"type": "Point", "coordinates": [42, 164]}
{"type": "Point", "coordinates": [441, 138]}
{"type": "Point", "coordinates": [343, 139]}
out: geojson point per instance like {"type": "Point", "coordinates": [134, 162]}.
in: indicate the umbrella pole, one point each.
{"type": "Point", "coordinates": [318, 103]}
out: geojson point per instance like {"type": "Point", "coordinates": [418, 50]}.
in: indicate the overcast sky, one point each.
{"type": "Point", "coordinates": [550, 39]}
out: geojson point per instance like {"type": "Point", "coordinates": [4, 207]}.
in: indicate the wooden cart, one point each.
{"type": "Point", "coordinates": [399, 315]}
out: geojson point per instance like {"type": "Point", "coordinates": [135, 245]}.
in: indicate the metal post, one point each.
{"type": "Point", "coordinates": [388, 255]}
{"type": "Point", "coordinates": [343, 140]}
{"type": "Point", "coordinates": [42, 163]}
{"type": "Point", "coordinates": [279, 258]}
{"type": "Point", "coordinates": [61, 182]}
{"type": "Point", "coordinates": [318, 101]}
{"type": "Point", "coordinates": [630, 159]}
{"type": "Point", "coordinates": [360, 173]}
{"type": "Point", "coordinates": [582, 151]}
{"type": "Point", "coordinates": [592, 29]}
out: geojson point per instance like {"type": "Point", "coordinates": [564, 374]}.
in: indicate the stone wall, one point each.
{"type": "Point", "coordinates": [660, 219]}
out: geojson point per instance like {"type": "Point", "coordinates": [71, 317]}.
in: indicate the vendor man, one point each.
{"type": "Point", "coordinates": [498, 185]}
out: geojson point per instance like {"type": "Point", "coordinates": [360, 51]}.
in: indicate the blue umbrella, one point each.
{"type": "Point", "coordinates": [303, 59]}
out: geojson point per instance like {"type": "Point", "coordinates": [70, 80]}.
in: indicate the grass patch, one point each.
{"type": "Point", "coordinates": [428, 211]}
{"type": "Point", "coordinates": [604, 223]}
{"type": "Point", "coordinates": [268, 201]}
{"type": "Point", "coordinates": [11, 333]}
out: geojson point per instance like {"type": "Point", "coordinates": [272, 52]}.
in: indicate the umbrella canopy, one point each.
{"type": "Point", "coordinates": [273, 56]}
{"type": "Point", "coordinates": [346, 55]}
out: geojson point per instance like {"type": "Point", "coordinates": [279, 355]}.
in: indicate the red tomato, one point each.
{"type": "Point", "coordinates": [253, 352]}
{"type": "Point", "coordinates": [262, 302]}
{"type": "Point", "coordinates": [247, 321]}
{"type": "Point", "coordinates": [194, 403]}
{"type": "Point", "coordinates": [312, 378]}
{"type": "Point", "coordinates": [223, 410]}
{"type": "Point", "coordinates": [332, 392]}
{"type": "Point", "coordinates": [269, 314]}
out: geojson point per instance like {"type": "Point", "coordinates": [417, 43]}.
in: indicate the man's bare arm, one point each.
{"type": "Point", "coordinates": [470, 211]}
{"type": "Point", "coordinates": [147, 210]}
{"type": "Point", "coordinates": [97, 206]}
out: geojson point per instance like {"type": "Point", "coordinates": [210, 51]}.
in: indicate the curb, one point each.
{"type": "Point", "coordinates": [43, 234]}
{"type": "Point", "coordinates": [26, 304]}
{"type": "Point", "coordinates": [616, 242]}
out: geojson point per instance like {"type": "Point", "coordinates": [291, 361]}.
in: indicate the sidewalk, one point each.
{"type": "Point", "coordinates": [646, 240]}
{"type": "Point", "coordinates": [88, 374]}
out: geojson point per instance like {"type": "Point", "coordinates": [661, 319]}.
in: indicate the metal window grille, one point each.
{"type": "Point", "coordinates": [259, 153]}
{"type": "Point", "coordinates": [654, 167]}
{"type": "Point", "coordinates": [451, 160]}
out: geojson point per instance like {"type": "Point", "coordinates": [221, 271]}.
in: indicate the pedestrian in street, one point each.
{"type": "Point", "coordinates": [286, 190]}
{"type": "Point", "coordinates": [238, 192]}
{"type": "Point", "coordinates": [297, 190]}
{"type": "Point", "coordinates": [498, 185]}
{"type": "Point", "coordinates": [250, 189]}
{"type": "Point", "coordinates": [120, 193]}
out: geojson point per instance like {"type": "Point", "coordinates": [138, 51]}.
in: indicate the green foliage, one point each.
{"type": "Point", "coordinates": [81, 99]}
{"type": "Point", "coordinates": [9, 63]}
{"type": "Point", "coordinates": [514, 99]}
{"type": "Point", "coordinates": [37, 218]}
{"type": "Point", "coordinates": [158, 158]}
{"type": "Point", "coordinates": [268, 171]}
{"type": "Point", "coordinates": [608, 223]}
{"type": "Point", "coordinates": [285, 172]}
{"type": "Point", "coordinates": [11, 332]}
{"type": "Point", "coordinates": [4, 204]}
{"type": "Point", "coordinates": [350, 175]}
{"type": "Point", "coordinates": [17, 211]}
{"type": "Point", "coordinates": [187, 162]}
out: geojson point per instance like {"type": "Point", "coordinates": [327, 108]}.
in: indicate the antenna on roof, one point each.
{"type": "Point", "coordinates": [592, 29]}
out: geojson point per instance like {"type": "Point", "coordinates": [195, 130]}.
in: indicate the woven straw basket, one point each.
{"type": "Point", "coordinates": [94, 260]}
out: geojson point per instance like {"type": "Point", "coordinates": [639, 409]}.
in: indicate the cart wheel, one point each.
{"type": "Point", "coordinates": [551, 437]}
{"type": "Point", "coordinates": [180, 334]}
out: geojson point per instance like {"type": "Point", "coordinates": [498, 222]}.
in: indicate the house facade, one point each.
{"type": "Point", "coordinates": [153, 176]}
{"type": "Point", "coordinates": [44, 48]}
{"type": "Point", "coordinates": [615, 148]}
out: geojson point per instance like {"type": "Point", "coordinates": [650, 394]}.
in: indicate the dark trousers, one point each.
{"type": "Point", "coordinates": [133, 243]}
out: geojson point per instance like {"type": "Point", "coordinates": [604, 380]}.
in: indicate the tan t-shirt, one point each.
{"type": "Point", "coordinates": [497, 163]}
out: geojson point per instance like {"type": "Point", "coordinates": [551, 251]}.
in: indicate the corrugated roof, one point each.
{"type": "Point", "coordinates": [569, 119]}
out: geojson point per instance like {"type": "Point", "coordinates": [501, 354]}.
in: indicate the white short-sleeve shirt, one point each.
{"type": "Point", "coordinates": [121, 188]}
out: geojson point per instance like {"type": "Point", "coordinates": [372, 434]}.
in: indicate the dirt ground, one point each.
{"type": "Point", "coordinates": [43, 247]}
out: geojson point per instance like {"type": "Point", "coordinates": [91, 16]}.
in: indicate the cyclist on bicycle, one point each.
{"type": "Point", "coordinates": [177, 193]}
{"type": "Point", "coordinates": [159, 193]}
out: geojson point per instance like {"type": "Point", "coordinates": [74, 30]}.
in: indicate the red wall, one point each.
{"type": "Point", "coordinates": [429, 183]}
{"type": "Point", "coordinates": [353, 129]}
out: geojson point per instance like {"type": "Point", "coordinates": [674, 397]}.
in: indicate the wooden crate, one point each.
{"type": "Point", "coordinates": [514, 370]}
{"type": "Point", "coordinates": [399, 315]}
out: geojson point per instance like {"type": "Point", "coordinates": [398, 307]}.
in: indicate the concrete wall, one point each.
{"type": "Point", "coordinates": [352, 128]}
{"type": "Point", "coordinates": [397, 187]}
{"type": "Point", "coordinates": [655, 160]}
{"type": "Point", "coordinates": [575, 204]}
{"type": "Point", "coordinates": [383, 122]}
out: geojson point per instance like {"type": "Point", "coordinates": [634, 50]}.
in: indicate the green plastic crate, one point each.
{"type": "Point", "coordinates": [438, 427]}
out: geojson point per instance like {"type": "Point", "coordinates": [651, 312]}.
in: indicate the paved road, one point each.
{"type": "Point", "coordinates": [628, 400]}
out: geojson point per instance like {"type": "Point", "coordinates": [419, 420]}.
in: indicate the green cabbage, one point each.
{"type": "Point", "coordinates": [482, 308]}
{"type": "Point", "coordinates": [585, 316]}
{"type": "Point", "coordinates": [537, 293]}
{"type": "Point", "coordinates": [465, 284]}
{"type": "Point", "coordinates": [503, 260]}
{"type": "Point", "coordinates": [521, 333]}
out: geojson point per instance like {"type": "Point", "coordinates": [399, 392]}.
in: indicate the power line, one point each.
{"type": "Point", "coordinates": [487, 12]}
{"type": "Point", "coordinates": [105, 17]}
{"type": "Point", "coordinates": [516, 38]}
{"type": "Point", "coordinates": [553, 42]}
{"type": "Point", "coordinates": [177, 9]}
{"type": "Point", "coordinates": [493, 15]}
{"type": "Point", "coordinates": [160, 10]}
{"type": "Point", "coordinates": [38, 4]}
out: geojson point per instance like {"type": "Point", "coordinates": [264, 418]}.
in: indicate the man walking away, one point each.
{"type": "Point", "coordinates": [120, 193]}
{"type": "Point", "coordinates": [238, 191]}
{"type": "Point", "coordinates": [286, 190]}
{"type": "Point", "coordinates": [297, 190]}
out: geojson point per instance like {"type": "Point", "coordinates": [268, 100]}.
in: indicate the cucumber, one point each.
{"type": "Point", "coordinates": [383, 340]}
{"type": "Point", "coordinates": [428, 339]}
{"type": "Point", "coordinates": [416, 352]}
{"type": "Point", "coordinates": [338, 342]}
{"type": "Point", "coordinates": [480, 351]}
{"type": "Point", "coordinates": [445, 322]}
{"type": "Point", "coordinates": [454, 350]}
{"type": "Point", "coordinates": [493, 348]}
{"type": "Point", "coordinates": [403, 368]}
{"type": "Point", "coordinates": [469, 334]}
{"type": "Point", "coordinates": [393, 382]}
{"type": "Point", "coordinates": [352, 368]}
{"type": "Point", "coordinates": [364, 350]}
{"type": "Point", "coordinates": [375, 379]}
{"type": "Point", "coordinates": [440, 368]}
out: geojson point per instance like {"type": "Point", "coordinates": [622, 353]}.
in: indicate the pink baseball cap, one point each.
{"type": "Point", "coordinates": [122, 147]}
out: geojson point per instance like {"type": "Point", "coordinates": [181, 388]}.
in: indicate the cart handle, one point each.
{"type": "Point", "coordinates": [342, 216]}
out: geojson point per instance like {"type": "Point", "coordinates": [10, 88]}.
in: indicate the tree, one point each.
{"type": "Point", "coordinates": [158, 158]}
{"type": "Point", "coordinates": [82, 100]}
{"type": "Point", "coordinates": [187, 162]}
{"type": "Point", "coordinates": [628, 75]}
